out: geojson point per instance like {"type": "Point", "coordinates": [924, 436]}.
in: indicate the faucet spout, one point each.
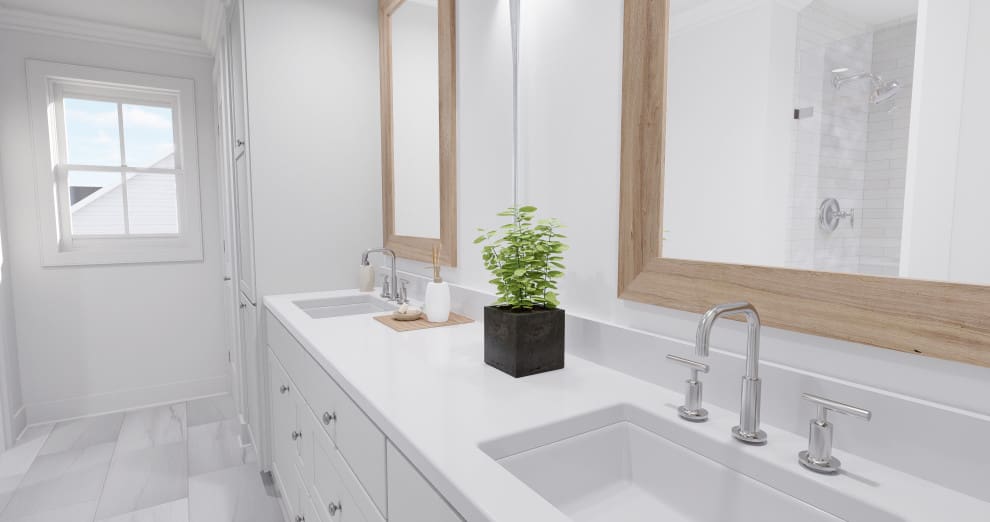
{"type": "Point", "coordinates": [394, 293]}
{"type": "Point", "coordinates": [748, 429]}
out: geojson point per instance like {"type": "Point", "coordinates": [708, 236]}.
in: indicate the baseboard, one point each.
{"type": "Point", "coordinates": [98, 404]}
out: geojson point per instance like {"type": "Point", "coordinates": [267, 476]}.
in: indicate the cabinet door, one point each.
{"type": "Point", "coordinates": [410, 497]}
{"type": "Point", "coordinates": [242, 169]}
{"type": "Point", "coordinates": [252, 359]}
{"type": "Point", "coordinates": [283, 423]}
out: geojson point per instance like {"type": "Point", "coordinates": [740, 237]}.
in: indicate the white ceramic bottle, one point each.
{"type": "Point", "coordinates": [437, 302]}
{"type": "Point", "coordinates": [366, 278]}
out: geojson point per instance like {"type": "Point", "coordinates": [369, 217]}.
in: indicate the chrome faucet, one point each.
{"type": "Point", "coordinates": [748, 430]}
{"type": "Point", "coordinates": [388, 292]}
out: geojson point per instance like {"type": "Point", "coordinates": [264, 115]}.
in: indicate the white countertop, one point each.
{"type": "Point", "coordinates": [432, 395]}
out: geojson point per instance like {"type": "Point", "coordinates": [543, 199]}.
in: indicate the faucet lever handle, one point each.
{"type": "Point", "coordinates": [818, 457]}
{"type": "Point", "coordinates": [827, 405]}
{"type": "Point", "coordinates": [691, 410]}
{"type": "Point", "coordinates": [386, 289]}
{"type": "Point", "coordinates": [403, 291]}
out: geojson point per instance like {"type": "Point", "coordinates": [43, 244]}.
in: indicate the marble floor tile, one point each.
{"type": "Point", "coordinates": [216, 446]}
{"type": "Point", "coordinates": [152, 427]}
{"type": "Point", "coordinates": [210, 409]}
{"type": "Point", "coordinates": [17, 460]}
{"type": "Point", "coordinates": [81, 512]}
{"type": "Point", "coordinates": [232, 495]}
{"type": "Point", "coordinates": [60, 480]}
{"type": "Point", "coordinates": [82, 433]}
{"type": "Point", "coordinates": [145, 478]}
{"type": "Point", "coordinates": [177, 511]}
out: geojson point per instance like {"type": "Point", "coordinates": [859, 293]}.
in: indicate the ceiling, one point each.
{"type": "Point", "coordinates": [174, 17]}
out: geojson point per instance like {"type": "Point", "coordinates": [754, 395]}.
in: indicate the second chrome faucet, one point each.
{"type": "Point", "coordinates": [748, 430]}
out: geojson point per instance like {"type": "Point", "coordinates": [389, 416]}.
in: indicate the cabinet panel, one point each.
{"type": "Point", "coordinates": [410, 497]}
{"type": "Point", "coordinates": [355, 435]}
{"type": "Point", "coordinates": [363, 447]}
{"type": "Point", "coordinates": [283, 418]}
{"type": "Point", "coordinates": [336, 489]}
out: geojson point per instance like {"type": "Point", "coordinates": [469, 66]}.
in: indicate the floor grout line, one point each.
{"type": "Point", "coordinates": [113, 456]}
{"type": "Point", "coordinates": [34, 459]}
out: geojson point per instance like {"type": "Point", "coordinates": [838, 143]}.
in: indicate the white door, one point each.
{"type": "Point", "coordinates": [241, 166]}
{"type": "Point", "coordinates": [221, 80]}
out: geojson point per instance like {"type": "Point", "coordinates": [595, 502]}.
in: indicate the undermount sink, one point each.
{"type": "Point", "coordinates": [344, 305]}
{"type": "Point", "coordinates": [623, 471]}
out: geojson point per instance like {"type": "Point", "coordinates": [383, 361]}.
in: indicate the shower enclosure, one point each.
{"type": "Point", "coordinates": [853, 84]}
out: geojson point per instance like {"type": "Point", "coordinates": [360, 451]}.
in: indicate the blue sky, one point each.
{"type": "Point", "coordinates": [92, 136]}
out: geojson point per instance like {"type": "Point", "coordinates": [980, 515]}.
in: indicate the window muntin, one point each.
{"type": "Point", "coordinates": [119, 164]}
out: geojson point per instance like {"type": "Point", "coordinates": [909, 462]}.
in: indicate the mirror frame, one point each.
{"type": "Point", "coordinates": [411, 247]}
{"type": "Point", "coordinates": [938, 319]}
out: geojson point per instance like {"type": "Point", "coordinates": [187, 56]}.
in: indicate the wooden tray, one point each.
{"type": "Point", "coordinates": [421, 323]}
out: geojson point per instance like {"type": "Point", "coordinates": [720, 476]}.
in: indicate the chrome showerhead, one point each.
{"type": "Point", "coordinates": [884, 91]}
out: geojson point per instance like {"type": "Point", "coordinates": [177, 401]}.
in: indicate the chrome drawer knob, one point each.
{"type": "Point", "coordinates": [333, 508]}
{"type": "Point", "coordinates": [329, 417]}
{"type": "Point", "coordinates": [296, 435]}
{"type": "Point", "coordinates": [284, 389]}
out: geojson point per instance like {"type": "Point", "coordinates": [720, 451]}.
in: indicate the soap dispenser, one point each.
{"type": "Point", "coordinates": [366, 276]}
{"type": "Point", "coordinates": [437, 302]}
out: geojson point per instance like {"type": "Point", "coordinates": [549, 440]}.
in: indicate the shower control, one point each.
{"type": "Point", "coordinates": [830, 214]}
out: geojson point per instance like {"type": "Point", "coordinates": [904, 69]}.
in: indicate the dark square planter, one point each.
{"type": "Point", "coordinates": [524, 342]}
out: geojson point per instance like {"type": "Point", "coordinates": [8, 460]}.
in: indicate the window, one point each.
{"type": "Point", "coordinates": [119, 178]}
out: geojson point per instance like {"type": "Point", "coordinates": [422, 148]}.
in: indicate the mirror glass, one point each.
{"type": "Point", "coordinates": [415, 118]}
{"type": "Point", "coordinates": [831, 135]}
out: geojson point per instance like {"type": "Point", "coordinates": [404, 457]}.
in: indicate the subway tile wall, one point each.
{"type": "Point", "coordinates": [849, 149]}
{"type": "Point", "coordinates": [886, 152]}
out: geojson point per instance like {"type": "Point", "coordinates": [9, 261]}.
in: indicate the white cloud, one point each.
{"type": "Point", "coordinates": [134, 115]}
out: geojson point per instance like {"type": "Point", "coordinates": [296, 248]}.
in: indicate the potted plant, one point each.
{"type": "Point", "coordinates": [524, 328]}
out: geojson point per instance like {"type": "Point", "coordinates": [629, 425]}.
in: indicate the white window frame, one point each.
{"type": "Point", "coordinates": [48, 84]}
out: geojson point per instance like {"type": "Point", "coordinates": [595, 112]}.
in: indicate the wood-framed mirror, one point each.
{"type": "Point", "coordinates": [752, 137]}
{"type": "Point", "coordinates": [418, 120]}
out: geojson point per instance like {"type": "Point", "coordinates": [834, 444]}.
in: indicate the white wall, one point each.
{"type": "Point", "coordinates": [935, 157]}
{"type": "Point", "coordinates": [312, 87]}
{"type": "Point", "coordinates": [415, 120]}
{"type": "Point", "coordinates": [100, 338]}
{"type": "Point", "coordinates": [729, 125]}
{"type": "Point", "coordinates": [970, 255]}
{"type": "Point", "coordinates": [14, 416]}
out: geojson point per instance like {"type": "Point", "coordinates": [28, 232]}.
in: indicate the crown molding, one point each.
{"type": "Point", "coordinates": [32, 22]}
{"type": "Point", "coordinates": [214, 14]}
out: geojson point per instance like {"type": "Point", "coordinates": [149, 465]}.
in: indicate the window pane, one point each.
{"type": "Point", "coordinates": [91, 134]}
{"type": "Point", "coordinates": [148, 137]}
{"type": "Point", "coordinates": [151, 204]}
{"type": "Point", "coordinates": [96, 203]}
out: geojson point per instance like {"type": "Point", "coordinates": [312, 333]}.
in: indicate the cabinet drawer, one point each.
{"type": "Point", "coordinates": [283, 417]}
{"type": "Point", "coordinates": [410, 497]}
{"type": "Point", "coordinates": [288, 351]}
{"type": "Point", "coordinates": [336, 490]}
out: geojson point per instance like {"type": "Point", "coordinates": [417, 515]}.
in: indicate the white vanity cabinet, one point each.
{"type": "Point", "coordinates": [330, 461]}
